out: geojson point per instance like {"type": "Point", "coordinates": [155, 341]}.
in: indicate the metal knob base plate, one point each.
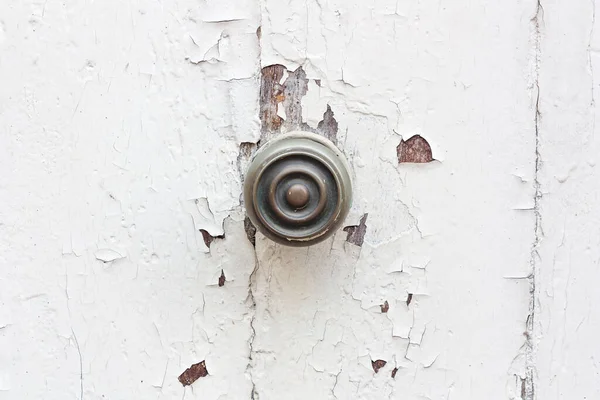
{"type": "Point", "coordinates": [298, 189]}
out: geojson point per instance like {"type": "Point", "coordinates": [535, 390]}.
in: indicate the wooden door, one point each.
{"type": "Point", "coordinates": [466, 269]}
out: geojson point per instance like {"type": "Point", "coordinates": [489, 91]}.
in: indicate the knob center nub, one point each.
{"type": "Point", "coordinates": [297, 196]}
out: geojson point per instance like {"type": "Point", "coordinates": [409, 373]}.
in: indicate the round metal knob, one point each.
{"type": "Point", "coordinates": [298, 189]}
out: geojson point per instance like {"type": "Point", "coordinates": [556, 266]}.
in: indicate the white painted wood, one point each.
{"type": "Point", "coordinates": [120, 133]}
{"type": "Point", "coordinates": [567, 272]}
{"type": "Point", "coordinates": [456, 233]}
{"type": "Point", "coordinates": [114, 133]}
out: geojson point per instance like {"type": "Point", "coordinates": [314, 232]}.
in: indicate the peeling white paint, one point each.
{"type": "Point", "coordinates": [108, 134]}
{"type": "Point", "coordinates": [567, 323]}
{"type": "Point", "coordinates": [120, 133]}
{"type": "Point", "coordinates": [446, 232]}
{"type": "Point", "coordinates": [108, 255]}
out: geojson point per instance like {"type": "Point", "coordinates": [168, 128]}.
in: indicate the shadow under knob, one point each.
{"type": "Point", "coordinates": [297, 189]}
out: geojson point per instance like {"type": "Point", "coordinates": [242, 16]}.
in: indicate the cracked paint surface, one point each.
{"type": "Point", "coordinates": [126, 258]}
{"type": "Point", "coordinates": [443, 240]}
{"type": "Point", "coordinates": [121, 125]}
{"type": "Point", "coordinates": [565, 330]}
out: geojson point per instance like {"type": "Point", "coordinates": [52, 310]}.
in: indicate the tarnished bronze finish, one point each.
{"type": "Point", "coordinates": [298, 190]}
{"type": "Point", "coordinates": [294, 171]}
{"type": "Point", "coordinates": [297, 196]}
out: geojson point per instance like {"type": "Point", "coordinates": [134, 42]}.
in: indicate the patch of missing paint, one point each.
{"type": "Point", "coordinates": [295, 88]}
{"type": "Point", "coordinates": [271, 94]}
{"type": "Point", "coordinates": [378, 364]}
{"type": "Point", "coordinates": [409, 299]}
{"type": "Point", "coordinates": [289, 94]}
{"type": "Point", "coordinates": [250, 231]}
{"type": "Point", "coordinates": [414, 150]}
{"type": "Point", "coordinates": [394, 371]}
{"type": "Point", "coordinates": [208, 238]}
{"type": "Point", "coordinates": [385, 307]}
{"type": "Point", "coordinates": [356, 233]}
{"type": "Point", "coordinates": [192, 374]}
{"type": "Point", "coordinates": [247, 150]}
{"type": "Point", "coordinates": [222, 279]}
{"type": "Point", "coordinates": [328, 127]}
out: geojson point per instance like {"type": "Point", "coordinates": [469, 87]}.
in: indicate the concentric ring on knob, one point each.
{"type": "Point", "coordinates": [299, 173]}
{"type": "Point", "coordinates": [298, 190]}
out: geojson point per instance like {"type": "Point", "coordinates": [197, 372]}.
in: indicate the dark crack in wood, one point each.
{"type": "Point", "coordinates": [409, 299]}
{"type": "Point", "coordinates": [414, 150]}
{"type": "Point", "coordinates": [394, 371]}
{"type": "Point", "coordinates": [222, 279]}
{"type": "Point", "coordinates": [250, 231]}
{"type": "Point", "coordinates": [193, 373]}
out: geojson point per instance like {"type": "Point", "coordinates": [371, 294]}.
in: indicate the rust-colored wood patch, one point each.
{"type": "Point", "coordinates": [378, 364]}
{"type": "Point", "coordinates": [271, 94]}
{"type": "Point", "coordinates": [414, 150]}
{"type": "Point", "coordinates": [208, 238]}
{"type": "Point", "coordinates": [394, 371]}
{"type": "Point", "coordinates": [192, 374]}
{"type": "Point", "coordinates": [356, 233]}
{"type": "Point", "coordinates": [288, 94]}
{"type": "Point", "coordinates": [385, 307]}
{"type": "Point", "coordinates": [222, 279]}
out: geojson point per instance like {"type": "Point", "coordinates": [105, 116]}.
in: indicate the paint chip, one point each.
{"type": "Point", "coordinates": [108, 255]}
{"type": "Point", "coordinates": [378, 364]}
{"type": "Point", "coordinates": [222, 279]}
{"type": "Point", "coordinates": [328, 127]}
{"type": "Point", "coordinates": [192, 374]}
{"type": "Point", "coordinates": [414, 150]}
{"type": "Point", "coordinates": [208, 238]}
{"type": "Point", "coordinates": [356, 233]}
{"type": "Point", "coordinates": [385, 307]}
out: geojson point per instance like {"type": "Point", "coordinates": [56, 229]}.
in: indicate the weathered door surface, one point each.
{"type": "Point", "coordinates": [467, 269]}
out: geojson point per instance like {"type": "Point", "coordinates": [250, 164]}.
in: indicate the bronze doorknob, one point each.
{"type": "Point", "coordinates": [298, 189]}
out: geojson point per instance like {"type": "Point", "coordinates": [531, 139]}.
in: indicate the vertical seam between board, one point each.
{"type": "Point", "coordinates": [531, 330]}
